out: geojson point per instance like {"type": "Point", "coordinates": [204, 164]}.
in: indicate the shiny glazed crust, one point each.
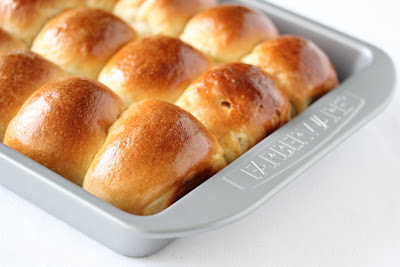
{"type": "Point", "coordinates": [64, 124]}
{"type": "Point", "coordinates": [157, 67]}
{"type": "Point", "coordinates": [81, 41]}
{"type": "Point", "coordinates": [154, 154]}
{"type": "Point", "coordinates": [298, 66]}
{"type": "Point", "coordinates": [24, 18]}
{"type": "Point", "coordinates": [239, 103]}
{"type": "Point", "coordinates": [21, 73]}
{"type": "Point", "coordinates": [167, 17]}
{"type": "Point", "coordinates": [228, 32]}
{"type": "Point", "coordinates": [8, 42]}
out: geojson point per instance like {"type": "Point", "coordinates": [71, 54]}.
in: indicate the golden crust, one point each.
{"type": "Point", "coordinates": [24, 18]}
{"type": "Point", "coordinates": [298, 66]}
{"type": "Point", "coordinates": [154, 154]}
{"type": "Point", "coordinates": [21, 73]}
{"type": "Point", "coordinates": [8, 42]}
{"type": "Point", "coordinates": [167, 17]}
{"type": "Point", "coordinates": [239, 103]}
{"type": "Point", "coordinates": [64, 124]}
{"type": "Point", "coordinates": [81, 41]}
{"type": "Point", "coordinates": [228, 32]}
{"type": "Point", "coordinates": [157, 67]}
{"type": "Point", "coordinates": [107, 5]}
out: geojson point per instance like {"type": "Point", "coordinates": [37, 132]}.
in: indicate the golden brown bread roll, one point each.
{"type": "Point", "coordinates": [228, 32]}
{"type": "Point", "coordinates": [298, 66]}
{"type": "Point", "coordinates": [21, 73]}
{"type": "Point", "coordinates": [107, 5]}
{"type": "Point", "coordinates": [157, 67]}
{"type": "Point", "coordinates": [154, 154]}
{"type": "Point", "coordinates": [24, 19]}
{"type": "Point", "coordinates": [81, 41]}
{"type": "Point", "coordinates": [239, 103]}
{"type": "Point", "coordinates": [167, 17]}
{"type": "Point", "coordinates": [64, 124]}
{"type": "Point", "coordinates": [8, 42]}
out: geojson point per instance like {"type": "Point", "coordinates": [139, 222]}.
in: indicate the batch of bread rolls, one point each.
{"type": "Point", "coordinates": [140, 101]}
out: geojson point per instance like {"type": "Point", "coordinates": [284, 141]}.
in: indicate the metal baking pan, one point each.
{"type": "Point", "coordinates": [367, 82]}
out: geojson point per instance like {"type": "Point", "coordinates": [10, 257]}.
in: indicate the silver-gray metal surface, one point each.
{"type": "Point", "coordinates": [367, 81]}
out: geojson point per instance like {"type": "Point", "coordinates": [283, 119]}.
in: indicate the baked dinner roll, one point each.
{"type": "Point", "coordinates": [21, 73]}
{"type": "Point", "coordinates": [64, 124]}
{"type": "Point", "coordinates": [228, 32]}
{"type": "Point", "coordinates": [107, 5]}
{"type": "Point", "coordinates": [81, 41]}
{"type": "Point", "coordinates": [154, 154]}
{"type": "Point", "coordinates": [298, 66]}
{"type": "Point", "coordinates": [168, 17]}
{"type": "Point", "coordinates": [239, 103]}
{"type": "Point", "coordinates": [157, 67]}
{"type": "Point", "coordinates": [8, 42]}
{"type": "Point", "coordinates": [24, 18]}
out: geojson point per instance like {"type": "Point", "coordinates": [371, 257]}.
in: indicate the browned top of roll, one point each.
{"type": "Point", "coordinates": [167, 17]}
{"type": "Point", "coordinates": [228, 32]}
{"type": "Point", "coordinates": [21, 73]}
{"type": "Point", "coordinates": [63, 125]}
{"type": "Point", "coordinates": [25, 18]}
{"type": "Point", "coordinates": [299, 66]}
{"type": "Point", "coordinates": [155, 153]}
{"type": "Point", "coordinates": [239, 103]}
{"type": "Point", "coordinates": [8, 42]}
{"type": "Point", "coordinates": [82, 40]}
{"type": "Point", "coordinates": [157, 67]}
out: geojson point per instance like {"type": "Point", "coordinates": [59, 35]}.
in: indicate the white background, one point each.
{"type": "Point", "coordinates": [344, 211]}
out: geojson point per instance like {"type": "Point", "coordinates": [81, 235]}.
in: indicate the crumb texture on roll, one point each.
{"type": "Point", "coordinates": [298, 66]}
{"type": "Point", "coordinates": [8, 42]}
{"type": "Point", "coordinates": [167, 17]}
{"type": "Point", "coordinates": [107, 5]}
{"type": "Point", "coordinates": [239, 103]}
{"type": "Point", "coordinates": [158, 67]}
{"type": "Point", "coordinates": [154, 154]}
{"type": "Point", "coordinates": [228, 32]}
{"type": "Point", "coordinates": [21, 73]}
{"type": "Point", "coordinates": [64, 124]}
{"type": "Point", "coordinates": [82, 40]}
{"type": "Point", "coordinates": [24, 18]}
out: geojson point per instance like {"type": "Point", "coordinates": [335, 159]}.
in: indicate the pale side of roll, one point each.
{"type": "Point", "coordinates": [157, 67]}
{"type": "Point", "coordinates": [24, 19]}
{"type": "Point", "coordinates": [107, 5]}
{"type": "Point", "coordinates": [64, 124]}
{"type": "Point", "coordinates": [21, 73]}
{"type": "Point", "coordinates": [168, 17]}
{"type": "Point", "coordinates": [239, 103]}
{"type": "Point", "coordinates": [82, 40]}
{"type": "Point", "coordinates": [298, 66]}
{"type": "Point", "coordinates": [228, 32]}
{"type": "Point", "coordinates": [154, 154]}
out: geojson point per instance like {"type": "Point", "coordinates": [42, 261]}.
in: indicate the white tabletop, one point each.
{"type": "Point", "coordinates": [344, 211]}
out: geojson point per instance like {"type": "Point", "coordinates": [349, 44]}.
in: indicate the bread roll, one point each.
{"type": "Point", "coordinates": [81, 41]}
{"type": "Point", "coordinates": [157, 67]}
{"type": "Point", "coordinates": [298, 66]}
{"type": "Point", "coordinates": [154, 154]}
{"type": "Point", "coordinates": [239, 103]}
{"type": "Point", "coordinates": [64, 124]}
{"type": "Point", "coordinates": [8, 42]}
{"type": "Point", "coordinates": [24, 18]}
{"type": "Point", "coordinates": [168, 17]}
{"type": "Point", "coordinates": [21, 73]}
{"type": "Point", "coordinates": [107, 5]}
{"type": "Point", "coordinates": [228, 32]}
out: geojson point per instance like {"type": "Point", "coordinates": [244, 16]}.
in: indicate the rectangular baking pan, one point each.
{"type": "Point", "coordinates": [367, 82]}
